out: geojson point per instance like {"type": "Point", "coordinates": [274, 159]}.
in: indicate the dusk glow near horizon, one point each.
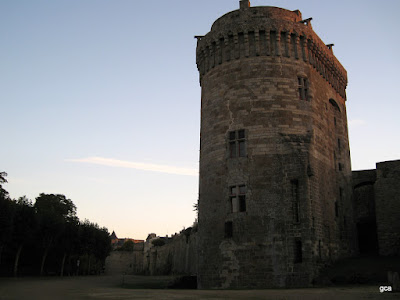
{"type": "Point", "coordinates": [100, 100]}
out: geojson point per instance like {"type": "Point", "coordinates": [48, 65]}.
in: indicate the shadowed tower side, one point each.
{"type": "Point", "coordinates": [275, 175]}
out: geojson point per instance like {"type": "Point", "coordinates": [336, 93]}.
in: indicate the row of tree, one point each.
{"type": "Point", "coordinates": [46, 237]}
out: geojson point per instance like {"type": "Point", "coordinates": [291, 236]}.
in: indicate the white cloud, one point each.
{"type": "Point", "coordinates": [111, 162]}
{"type": "Point", "coordinates": [357, 122]}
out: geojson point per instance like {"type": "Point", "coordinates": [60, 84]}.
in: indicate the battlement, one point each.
{"type": "Point", "coordinates": [268, 31]}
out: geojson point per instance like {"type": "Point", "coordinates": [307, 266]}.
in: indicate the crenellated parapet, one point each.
{"type": "Point", "coordinates": [268, 31]}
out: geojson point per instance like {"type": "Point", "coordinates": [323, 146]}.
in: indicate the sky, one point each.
{"type": "Point", "coordinates": [100, 100]}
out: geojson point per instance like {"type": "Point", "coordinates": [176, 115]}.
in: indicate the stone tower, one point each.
{"type": "Point", "coordinates": [275, 176]}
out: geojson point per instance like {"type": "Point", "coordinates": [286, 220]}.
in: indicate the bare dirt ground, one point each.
{"type": "Point", "coordinates": [123, 287]}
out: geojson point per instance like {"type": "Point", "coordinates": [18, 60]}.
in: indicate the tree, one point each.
{"type": "Point", "coordinates": [158, 242]}
{"type": "Point", "coordinates": [24, 226]}
{"type": "Point", "coordinates": [7, 211]}
{"type": "Point", "coordinates": [6, 215]}
{"type": "Point", "coordinates": [53, 212]}
{"type": "Point", "coordinates": [3, 192]}
{"type": "Point", "coordinates": [69, 240]}
{"type": "Point", "coordinates": [127, 246]}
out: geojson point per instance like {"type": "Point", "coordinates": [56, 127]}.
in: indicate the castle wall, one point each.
{"type": "Point", "coordinates": [365, 215]}
{"type": "Point", "coordinates": [177, 257]}
{"type": "Point", "coordinates": [387, 200]}
{"type": "Point", "coordinates": [364, 195]}
{"type": "Point", "coordinates": [125, 262]}
{"type": "Point", "coordinates": [377, 207]}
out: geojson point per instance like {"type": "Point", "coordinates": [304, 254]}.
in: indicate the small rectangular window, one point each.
{"type": "Point", "coordinates": [237, 198]}
{"type": "Point", "coordinates": [303, 88]}
{"type": "Point", "coordinates": [336, 209]}
{"type": "Point", "coordinates": [237, 143]}
{"type": "Point", "coordinates": [295, 200]}
{"type": "Point", "coordinates": [228, 229]}
{"type": "Point", "coordinates": [298, 252]}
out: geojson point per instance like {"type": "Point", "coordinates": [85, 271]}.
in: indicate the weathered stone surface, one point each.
{"type": "Point", "coordinates": [125, 262]}
{"type": "Point", "coordinates": [176, 257]}
{"type": "Point", "coordinates": [387, 204]}
{"type": "Point", "coordinates": [255, 65]}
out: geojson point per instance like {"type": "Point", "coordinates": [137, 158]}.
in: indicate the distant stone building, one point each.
{"type": "Point", "coordinates": [117, 242]}
{"type": "Point", "coordinates": [275, 194]}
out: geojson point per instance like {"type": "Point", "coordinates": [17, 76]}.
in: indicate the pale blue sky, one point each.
{"type": "Point", "coordinates": [96, 94]}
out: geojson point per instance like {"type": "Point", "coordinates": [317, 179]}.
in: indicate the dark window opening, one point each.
{"type": "Point", "coordinates": [295, 200]}
{"type": "Point", "coordinates": [336, 209]}
{"type": "Point", "coordinates": [340, 167]}
{"type": "Point", "coordinates": [338, 144]}
{"type": "Point", "coordinates": [228, 229]}
{"type": "Point", "coordinates": [303, 88]}
{"type": "Point", "coordinates": [298, 252]}
{"type": "Point", "coordinates": [237, 143]}
{"type": "Point", "coordinates": [242, 203]}
{"type": "Point", "coordinates": [232, 135]}
{"type": "Point", "coordinates": [334, 104]}
{"type": "Point", "coordinates": [241, 134]}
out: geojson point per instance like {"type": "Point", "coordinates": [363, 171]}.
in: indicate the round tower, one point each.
{"type": "Point", "coordinates": [274, 193]}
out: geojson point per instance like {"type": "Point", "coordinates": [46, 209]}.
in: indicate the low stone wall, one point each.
{"type": "Point", "coordinates": [125, 262]}
{"type": "Point", "coordinates": [177, 257]}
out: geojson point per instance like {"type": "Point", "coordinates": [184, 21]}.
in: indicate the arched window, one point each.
{"type": "Point", "coordinates": [334, 104]}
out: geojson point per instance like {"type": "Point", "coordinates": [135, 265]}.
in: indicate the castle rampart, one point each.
{"type": "Point", "coordinates": [268, 31]}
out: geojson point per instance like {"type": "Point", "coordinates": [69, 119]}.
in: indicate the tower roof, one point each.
{"type": "Point", "coordinates": [113, 235]}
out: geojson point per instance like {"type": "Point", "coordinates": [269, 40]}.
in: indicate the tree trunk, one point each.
{"type": "Point", "coordinates": [62, 264]}
{"type": "Point", "coordinates": [43, 260]}
{"type": "Point", "coordinates": [17, 260]}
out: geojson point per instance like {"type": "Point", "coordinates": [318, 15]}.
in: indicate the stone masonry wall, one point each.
{"type": "Point", "coordinates": [364, 195]}
{"type": "Point", "coordinates": [265, 75]}
{"type": "Point", "coordinates": [125, 262]}
{"type": "Point", "coordinates": [387, 200]}
{"type": "Point", "coordinates": [177, 257]}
